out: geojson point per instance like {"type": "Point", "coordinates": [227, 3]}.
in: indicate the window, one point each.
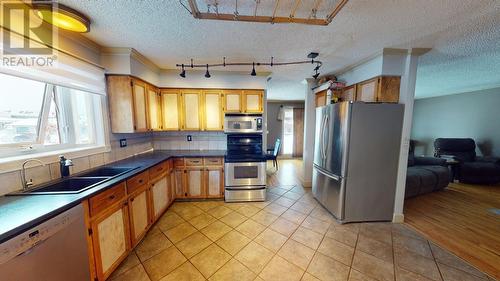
{"type": "Point", "coordinates": [41, 117]}
{"type": "Point", "coordinates": [288, 131]}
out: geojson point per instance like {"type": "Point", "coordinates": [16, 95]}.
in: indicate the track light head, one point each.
{"type": "Point", "coordinates": [253, 70]}
{"type": "Point", "coordinates": [315, 76]}
{"type": "Point", "coordinates": [183, 72]}
{"type": "Point", "coordinates": [207, 74]}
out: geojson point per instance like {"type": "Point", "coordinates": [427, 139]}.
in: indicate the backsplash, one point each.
{"type": "Point", "coordinates": [11, 181]}
{"type": "Point", "coordinates": [200, 141]}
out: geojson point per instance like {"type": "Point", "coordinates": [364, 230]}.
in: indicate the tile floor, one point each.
{"type": "Point", "coordinates": [289, 237]}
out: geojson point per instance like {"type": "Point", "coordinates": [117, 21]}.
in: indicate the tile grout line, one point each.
{"type": "Point", "coordinates": [353, 253]}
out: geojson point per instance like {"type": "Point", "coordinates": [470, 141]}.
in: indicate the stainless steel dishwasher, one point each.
{"type": "Point", "coordinates": [53, 250]}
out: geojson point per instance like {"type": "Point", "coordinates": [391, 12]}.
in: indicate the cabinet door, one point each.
{"type": "Point", "coordinates": [180, 183]}
{"type": "Point", "coordinates": [139, 215]}
{"type": "Point", "coordinates": [320, 99]}
{"type": "Point", "coordinates": [232, 101]}
{"type": "Point", "coordinates": [367, 90]}
{"type": "Point", "coordinates": [154, 111]}
{"type": "Point", "coordinates": [171, 187]}
{"type": "Point", "coordinates": [121, 104]}
{"type": "Point", "coordinates": [214, 182]}
{"type": "Point", "coordinates": [389, 89]}
{"type": "Point", "coordinates": [349, 93]}
{"type": "Point", "coordinates": [140, 114]}
{"type": "Point", "coordinates": [159, 195]}
{"type": "Point", "coordinates": [170, 110]}
{"type": "Point", "coordinates": [212, 110]}
{"type": "Point", "coordinates": [110, 237]}
{"type": "Point", "coordinates": [195, 183]}
{"type": "Point", "coordinates": [191, 110]}
{"type": "Point", "coordinates": [252, 101]}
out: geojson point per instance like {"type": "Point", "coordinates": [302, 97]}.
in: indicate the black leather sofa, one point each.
{"type": "Point", "coordinates": [425, 174]}
{"type": "Point", "coordinates": [472, 168]}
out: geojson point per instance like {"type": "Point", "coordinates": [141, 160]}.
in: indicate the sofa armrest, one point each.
{"type": "Point", "coordinates": [488, 159]}
{"type": "Point", "coordinates": [429, 161]}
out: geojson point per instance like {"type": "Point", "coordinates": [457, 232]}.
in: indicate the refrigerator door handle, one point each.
{"type": "Point", "coordinates": [335, 177]}
{"type": "Point", "coordinates": [323, 142]}
{"type": "Point", "coordinates": [321, 136]}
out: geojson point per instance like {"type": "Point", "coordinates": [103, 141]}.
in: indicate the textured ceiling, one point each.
{"type": "Point", "coordinates": [464, 36]}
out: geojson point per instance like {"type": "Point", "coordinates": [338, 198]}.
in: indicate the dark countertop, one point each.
{"type": "Point", "coordinates": [22, 212]}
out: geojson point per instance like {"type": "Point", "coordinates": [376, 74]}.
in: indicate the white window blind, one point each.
{"type": "Point", "coordinates": [66, 71]}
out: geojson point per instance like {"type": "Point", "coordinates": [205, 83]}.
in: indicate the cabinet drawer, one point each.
{"type": "Point", "coordinates": [179, 162]}
{"type": "Point", "coordinates": [213, 161]}
{"type": "Point", "coordinates": [194, 161]}
{"type": "Point", "coordinates": [136, 181]}
{"type": "Point", "coordinates": [158, 170]}
{"type": "Point", "coordinates": [107, 198]}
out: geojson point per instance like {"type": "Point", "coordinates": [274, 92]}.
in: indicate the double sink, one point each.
{"type": "Point", "coordinates": [79, 182]}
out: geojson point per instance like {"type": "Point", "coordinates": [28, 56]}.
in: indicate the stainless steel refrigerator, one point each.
{"type": "Point", "coordinates": [356, 156]}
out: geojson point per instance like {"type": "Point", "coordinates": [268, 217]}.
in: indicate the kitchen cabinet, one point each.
{"type": "Point", "coordinates": [154, 109]}
{"type": "Point", "coordinates": [110, 233]}
{"type": "Point", "coordinates": [379, 89]}
{"type": "Point", "coordinates": [170, 109]}
{"type": "Point", "coordinates": [212, 110]}
{"type": "Point", "coordinates": [214, 184]}
{"type": "Point", "coordinates": [139, 98]}
{"type": "Point", "coordinates": [320, 99]}
{"type": "Point", "coordinates": [139, 212]}
{"type": "Point", "coordinates": [191, 113]}
{"type": "Point", "coordinates": [348, 93]}
{"type": "Point", "coordinates": [160, 195]}
{"type": "Point", "coordinates": [232, 101]}
{"type": "Point", "coordinates": [180, 182]}
{"type": "Point", "coordinates": [253, 101]}
{"type": "Point", "coordinates": [195, 182]}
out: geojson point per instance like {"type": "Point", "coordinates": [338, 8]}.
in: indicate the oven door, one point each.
{"type": "Point", "coordinates": [242, 124]}
{"type": "Point", "coordinates": [245, 175]}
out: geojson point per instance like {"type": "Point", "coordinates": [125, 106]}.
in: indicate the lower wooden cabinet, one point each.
{"type": "Point", "coordinates": [214, 182]}
{"type": "Point", "coordinates": [160, 195]}
{"type": "Point", "coordinates": [139, 211]}
{"type": "Point", "coordinates": [110, 239]}
{"type": "Point", "coordinates": [180, 182]}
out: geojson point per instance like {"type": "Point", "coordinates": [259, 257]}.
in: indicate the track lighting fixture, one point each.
{"type": "Point", "coordinates": [272, 63]}
{"type": "Point", "coordinates": [183, 72]}
{"type": "Point", "coordinates": [207, 74]}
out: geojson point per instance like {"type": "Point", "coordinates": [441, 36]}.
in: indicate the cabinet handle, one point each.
{"type": "Point", "coordinates": [132, 199]}
{"type": "Point", "coordinates": [140, 181]}
{"type": "Point", "coordinates": [111, 197]}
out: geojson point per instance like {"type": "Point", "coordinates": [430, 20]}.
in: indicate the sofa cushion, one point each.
{"type": "Point", "coordinates": [479, 172]}
{"type": "Point", "coordinates": [442, 176]}
{"type": "Point", "coordinates": [412, 182]}
{"type": "Point", "coordinates": [463, 149]}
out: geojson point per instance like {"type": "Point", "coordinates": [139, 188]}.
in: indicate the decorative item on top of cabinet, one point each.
{"type": "Point", "coordinates": [212, 110]}
{"type": "Point", "coordinates": [253, 101]}
{"type": "Point", "coordinates": [154, 108]}
{"type": "Point", "coordinates": [232, 101]}
{"type": "Point", "coordinates": [191, 113]}
{"type": "Point", "coordinates": [170, 109]}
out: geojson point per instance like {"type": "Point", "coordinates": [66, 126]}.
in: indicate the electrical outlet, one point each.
{"type": "Point", "coordinates": [123, 142]}
{"type": "Point", "coordinates": [189, 138]}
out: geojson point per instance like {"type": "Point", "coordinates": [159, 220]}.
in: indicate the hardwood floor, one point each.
{"type": "Point", "coordinates": [460, 220]}
{"type": "Point", "coordinates": [289, 172]}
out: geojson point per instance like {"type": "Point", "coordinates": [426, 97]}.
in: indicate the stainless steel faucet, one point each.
{"type": "Point", "coordinates": [64, 165]}
{"type": "Point", "coordinates": [27, 184]}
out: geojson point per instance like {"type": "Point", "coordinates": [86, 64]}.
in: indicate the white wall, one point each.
{"type": "Point", "coordinates": [309, 131]}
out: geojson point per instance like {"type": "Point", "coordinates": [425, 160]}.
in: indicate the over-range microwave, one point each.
{"type": "Point", "coordinates": [243, 123]}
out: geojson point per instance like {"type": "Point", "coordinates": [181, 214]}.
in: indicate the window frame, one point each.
{"type": "Point", "coordinates": [66, 116]}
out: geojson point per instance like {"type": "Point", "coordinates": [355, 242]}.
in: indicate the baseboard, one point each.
{"type": "Point", "coordinates": [398, 218]}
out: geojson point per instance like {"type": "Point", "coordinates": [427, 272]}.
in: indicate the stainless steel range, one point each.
{"type": "Point", "coordinates": [245, 164]}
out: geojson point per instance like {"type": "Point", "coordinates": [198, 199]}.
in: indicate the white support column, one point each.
{"type": "Point", "coordinates": [406, 97]}
{"type": "Point", "coordinates": [309, 128]}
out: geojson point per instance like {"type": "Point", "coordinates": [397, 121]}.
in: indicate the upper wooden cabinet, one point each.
{"type": "Point", "coordinates": [191, 113]}
{"type": "Point", "coordinates": [253, 101]}
{"type": "Point", "coordinates": [170, 105]}
{"type": "Point", "coordinates": [154, 108]}
{"type": "Point", "coordinates": [232, 101]}
{"type": "Point", "coordinates": [348, 94]}
{"type": "Point", "coordinates": [320, 99]}
{"type": "Point", "coordinates": [137, 106]}
{"type": "Point", "coordinates": [212, 110]}
{"type": "Point", "coordinates": [379, 89]}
